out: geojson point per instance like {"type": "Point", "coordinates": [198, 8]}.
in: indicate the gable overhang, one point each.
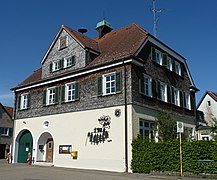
{"type": "Point", "coordinates": [207, 93]}
{"type": "Point", "coordinates": [168, 50]}
{"type": "Point", "coordinates": [55, 40]}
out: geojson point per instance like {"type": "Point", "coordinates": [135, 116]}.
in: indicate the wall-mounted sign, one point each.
{"type": "Point", "coordinates": [65, 149]}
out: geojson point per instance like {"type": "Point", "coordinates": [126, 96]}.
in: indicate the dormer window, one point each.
{"type": "Point", "coordinates": [56, 65]}
{"type": "Point", "coordinates": [69, 61]}
{"type": "Point", "coordinates": [63, 42]}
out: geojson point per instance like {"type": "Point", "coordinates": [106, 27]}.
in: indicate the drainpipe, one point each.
{"type": "Point", "coordinates": [126, 121]}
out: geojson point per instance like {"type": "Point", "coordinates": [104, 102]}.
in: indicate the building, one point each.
{"type": "Point", "coordinates": [91, 97]}
{"type": "Point", "coordinates": [6, 130]}
{"type": "Point", "coordinates": [208, 107]}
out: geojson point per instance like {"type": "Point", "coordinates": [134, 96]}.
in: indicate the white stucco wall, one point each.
{"type": "Point", "coordinates": [209, 111]}
{"type": "Point", "coordinates": [72, 129]}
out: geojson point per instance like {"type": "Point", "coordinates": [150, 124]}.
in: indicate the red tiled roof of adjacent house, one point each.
{"type": "Point", "coordinates": [9, 110]}
{"type": "Point", "coordinates": [115, 45]}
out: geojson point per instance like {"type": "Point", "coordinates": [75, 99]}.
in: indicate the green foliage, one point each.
{"type": "Point", "coordinates": [164, 156]}
{"type": "Point", "coordinates": [166, 126]}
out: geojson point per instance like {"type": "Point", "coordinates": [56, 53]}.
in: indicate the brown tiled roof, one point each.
{"type": "Point", "coordinates": [213, 95]}
{"type": "Point", "coordinates": [84, 40]}
{"type": "Point", "coordinates": [35, 77]}
{"type": "Point", "coordinates": [9, 110]}
{"type": "Point", "coordinates": [115, 45]}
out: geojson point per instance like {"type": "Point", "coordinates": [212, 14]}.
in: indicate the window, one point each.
{"type": "Point", "coordinates": [109, 83]}
{"type": "Point", "coordinates": [5, 131]}
{"type": "Point", "coordinates": [51, 96]}
{"type": "Point", "coordinates": [56, 65]}
{"type": "Point", "coordinates": [71, 92]}
{"type": "Point", "coordinates": [158, 58]}
{"type": "Point", "coordinates": [146, 129]}
{"type": "Point", "coordinates": [63, 42]}
{"type": "Point", "coordinates": [176, 97]}
{"type": "Point", "coordinates": [24, 101]}
{"type": "Point", "coordinates": [187, 101]}
{"type": "Point", "coordinates": [69, 61]}
{"type": "Point", "coordinates": [209, 103]}
{"type": "Point", "coordinates": [177, 68]}
{"type": "Point", "coordinates": [169, 64]}
{"type": "Point", "coordinates": [163, 92]}
{"type": "Point", "coordinates": [146, 87]}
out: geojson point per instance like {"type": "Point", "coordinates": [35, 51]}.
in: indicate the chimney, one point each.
{"type": "Point", "coordinates": [103, 27]}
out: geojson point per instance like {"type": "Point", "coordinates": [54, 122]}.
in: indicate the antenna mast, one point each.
{"type": "Point", "coordinates": [156, 18]}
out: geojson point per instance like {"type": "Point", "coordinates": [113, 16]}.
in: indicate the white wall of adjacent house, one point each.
{"type": "Point", "coordinates": [100, 143]}
{"type": "Point", "coordinates": [209, 108]}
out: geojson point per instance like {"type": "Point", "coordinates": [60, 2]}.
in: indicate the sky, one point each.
{"type": "Point", "coordinates": [28, 27]}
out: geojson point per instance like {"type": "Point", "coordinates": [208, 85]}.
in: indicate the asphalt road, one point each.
{"type": "Point", "coordinates": [33, 172]}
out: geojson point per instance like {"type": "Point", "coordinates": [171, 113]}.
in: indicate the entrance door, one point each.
{"type": "Point", "coordinates": [25, 146]}
{"type": "Point", "coordinates": [49, 150]}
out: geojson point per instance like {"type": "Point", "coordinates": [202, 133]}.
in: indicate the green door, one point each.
{"type": "Point", "coordinates": [25, 146]}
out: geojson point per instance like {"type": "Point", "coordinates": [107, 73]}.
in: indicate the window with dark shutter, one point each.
{"type": "Point", "coordinates": [62, 94]}
{"type": "Point", "coordinates": [51, 67]}
{"type": "Point", "coordinates": [181, 98]}
{"type": "Point", "coordinates": [99, 86]}
{"type": "Point", "coordinates": [141, 85]}
{"type": "Point", "coordinates": [165, 61]}
{"type": "Point", "coordinates": [158, 90]}
{"type": "Point", "coordinates": [61, 63]}
{"type": "Point", "coordinates": [172, 95]}
{"type": "Point", "coordinates": [44, 97]}
{"type": "Point", "coordinates": [76, 91]}
{"type": "Point", "coordinates": [153, 54]}
{"type": "Point", "coordinates": [19, 102]}
{"type": "Point", "coordinates": [168, 94]}
{"type": "Point", "coordinates": [56, 95]}
{"type": "Point", "coordinates": [28, 100]}
{"type": "Point", "coordinates": [118, 82]}
{"type": "Point", "coordinates": [154, 88]}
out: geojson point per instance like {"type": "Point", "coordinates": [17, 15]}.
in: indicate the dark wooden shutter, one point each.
{"type": "Point", "coordinates": [28, 100]}
{"type": "Point", "coordinates": [165, 61]}
{"type": "Point", "coordinates": [141, 84]}
{"type": "Point", "coordinates": [77, 91]}
{"type": "Point", "coordinates": [51, 67]}
{"type": "Point", "coordinates": [181, 98]}
{"type": "Point", "coordinates": [173, 66]}
{"type": "Point", "coordinates": [61, 61]}
{"type": "Point", "coordinates": [10, 132]}
{"type": "Point", "coordinates": [19, 102]}
{"type": "Point", "coordinates": [158, 90]}
{"type": "Point", "coordinates": [172, 95]}
{"type": "Point", "coordinates": [99, 86]}
{"type": "Point", "coordinates": [44, 97]}
{"type": "Point", "coordinates": [118, 82]}
{"type": "Point", "coordinates": [184, 100]}
{"type": "Point", "coordinates": [73, 60]}
{"type": "Point", "coordinates": [153, 54]}
{"type": "Point", "coordinates": [62, 93]}
{"type": "Point", "coordinates": [168, 94]}
{"type": "Point", "coordinates": [56, 95]}
{"type": "Point", "coordinates": [154, 88]}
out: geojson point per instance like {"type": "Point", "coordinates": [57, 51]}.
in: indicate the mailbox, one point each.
{"type": "Point", "coordinates": [74, 154]}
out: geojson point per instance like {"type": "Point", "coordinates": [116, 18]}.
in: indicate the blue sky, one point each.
{"type": "Point", "coordinates": [28, 27]}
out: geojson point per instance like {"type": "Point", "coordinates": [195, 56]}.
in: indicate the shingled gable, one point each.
{"type": "Point", "coordinates": [84, 41]}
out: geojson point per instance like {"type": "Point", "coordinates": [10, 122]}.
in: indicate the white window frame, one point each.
{"type": "Point", "coordinates": [176, 97]}
{"type": "Point", "coordinates": [169, 63]}
{"type": "Point", "coordinates": [66, 64]}
{"type": "Point", "coordinates": [147, 81]}
{"type": "Point", "coordinates": [71, 91]}
{"type": "Point", "coordinates": [56, 66]}
{"type": "Point", "coordinates": [178, 68]}
{"type": "Point", "coordinates": [24, 101]}
{"type": "Point", "coordinates": [188, 100]}
{"type": "Point", "coordinates": [50, 98]}
{"type": "Point", "coordinates": [158, 57]}
{"type": "Point", "coordinates": [109, 84]}
{"type": "Point", "coordinates": [146, 128]}
{"type": "Point", "coordinates": [4, 131]}
{"type": "Point", "coordinates": [163, 92]}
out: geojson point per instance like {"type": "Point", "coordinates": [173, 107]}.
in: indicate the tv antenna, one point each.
{"type": "Point", "coordinates": [155, 11]}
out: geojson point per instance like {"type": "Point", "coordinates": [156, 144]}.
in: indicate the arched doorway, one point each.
{"type": "Point", "coordinates": [45, 148]}
{"type": "Point", "coordinates": [25, 144]}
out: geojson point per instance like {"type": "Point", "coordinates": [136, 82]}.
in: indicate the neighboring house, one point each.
{"type": "Point", "coordinates": [6, 130]}
{"type": "Point", "coordinates": [91, 97]}
{"type": "Point", "coordinates": [208, 106]}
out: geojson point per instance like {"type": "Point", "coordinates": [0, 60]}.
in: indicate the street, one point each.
{"type": "Point", "coordinates": [33, 172]}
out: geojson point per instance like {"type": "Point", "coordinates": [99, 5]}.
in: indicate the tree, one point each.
{"type": "Point", "coordinates": [166, 126]}
{"type": "Point", "coordinates": [214, 129]}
